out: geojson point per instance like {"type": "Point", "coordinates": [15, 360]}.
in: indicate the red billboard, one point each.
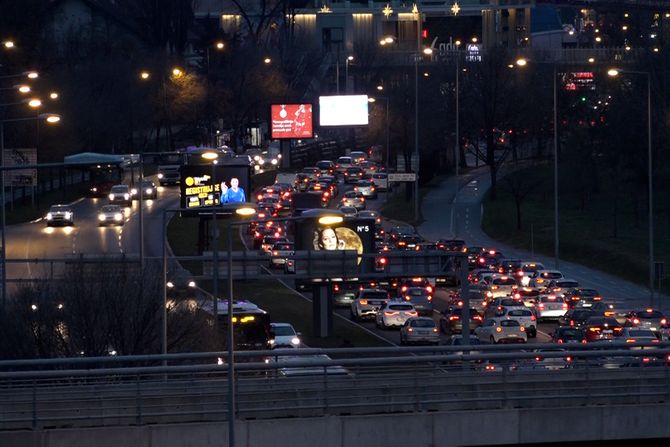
{"type": "Point", "coordinates": [291, 121]}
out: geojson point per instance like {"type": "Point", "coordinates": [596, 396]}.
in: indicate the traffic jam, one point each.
{"type": "Point", "coordinates": [512, 301]}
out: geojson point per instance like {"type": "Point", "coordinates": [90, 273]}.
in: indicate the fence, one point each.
{"type": "Point", "coordinates": [180, 388]}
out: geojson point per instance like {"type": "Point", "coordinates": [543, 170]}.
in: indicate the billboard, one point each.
{"type": "Point", "coordinates": [204, 186]}
{"type": "Point", "coordinates": [291, 121]}
{"type": "Point", "coordinates": [343, 110]}
{"type": "Point", "coordinates": [352, 234]}
{"type": "Point", "coordinates": [19, 157]}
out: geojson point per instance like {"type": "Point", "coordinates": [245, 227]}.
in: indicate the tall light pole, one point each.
{"type": "Point", "coordinates": [416, 114]}
{"type": "Point", "coordinates": [346, 73]}
{"type": "Point", "coordinates": [49, 118]}
{"type": "Point", "coordinates": [615, 72]}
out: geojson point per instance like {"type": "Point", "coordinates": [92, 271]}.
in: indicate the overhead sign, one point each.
{"type": "Point", "coordinates": [291, 121]}
{"type": "Point", "coordinates": [402, 177]}
{"type": "Point", "coordinates": [19, 157]}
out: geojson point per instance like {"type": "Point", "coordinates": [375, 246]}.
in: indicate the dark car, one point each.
{"type": "Point", "coordinates": [326, 167]}
{"type": "Point", "coordinates": [651, 319]}
{"type": "Point", "coordinates": [575, 318]}
{"type": "Point", "coordinates": [602, 328]}
{"type": "Point", "coordinates": [567, 334]}
{"type": "Point", "coordinates": [420, 298]}
{"type": "Point", "coordinates": [408, 242]}
{"type": "Point", "coordinates": [510, 266]}
{"type": "Point", "coordinates": [353, 174]}
{"type": "Point", "coordinates": [451, 321]}
{"type": "Point", "coordinates": [573, 296]}
{"type": "Point", "coordinates": [452, 245]}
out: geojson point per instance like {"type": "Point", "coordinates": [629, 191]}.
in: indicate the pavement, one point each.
{"type": "Point", "coordinates": [455, 209]}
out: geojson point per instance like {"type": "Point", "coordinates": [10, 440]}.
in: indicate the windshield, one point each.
{"type": "Point", "coordinates": [401, 307]}
{"type": "Point", "coordinates": [283, 330]}
{"type": "Point", "coordinates": [423, 323]}
{"type": "Point", "coordinates": [374, 295]}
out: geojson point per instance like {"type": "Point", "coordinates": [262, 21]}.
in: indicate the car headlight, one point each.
{"type": "Point", "coordinates": [126, 196]}
{"type": "Point", "coordinates": [261, 161]}
{"type": "Point", "coordinates": [160, 175]}
{"type": "Point", "coordinates": [101, 217]}
{"type": "Point", "coordinates": [94, 189]}
{"type": "Point", "coordinates": [68, 215]}
{"type": "Point", "coordinates": [295, 341]}
{"type": "Point", "coordinates": [274, 162]}
{"type": "Point", "coordinates": [271, 342]}
{"type": "Point", "coordinates": [118, 217]}
{"type": "Point", "coordinates": [257, 168]}
{"type": "Point", "coordinates": [111, 197]}
{"type": "Point", "coordinates": [256, 158]}
{"type": "Point", "coordinates": [133, 191]}
{"type": "Point", "coordinates": [148, 190]}
{"type": "Point", "coordinates": [49, 216]}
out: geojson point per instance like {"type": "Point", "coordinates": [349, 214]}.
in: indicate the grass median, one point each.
{"type": "Point", "coordinates": [25, 211]}
{"type": "Point", "coordinates": [588, 234]}
{"type": "Point", "coordinates": [400, 207]}
{"type": "Point", "coordinates": [280, 302]}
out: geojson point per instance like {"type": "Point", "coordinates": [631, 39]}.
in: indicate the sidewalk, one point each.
{"type": "Point", "coordinates": [448, 214]}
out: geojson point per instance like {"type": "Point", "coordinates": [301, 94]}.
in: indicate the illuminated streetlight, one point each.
{"type": "Point", "coordinates": [330, 220]}
{"type": "Point", "coordinates": [267, 60]}
{"type": "Point", "coordinates": [177, 72]}
{"type": "Point", "coordinates": [8, 44]}
{"type": "Point", "coordinates": [521, 62]}
{"type": "Point", "coordinates": [220, 45]}
{"type": "Point", "coordinates": [51, 118]}
{"type": "Point", "coordinates": [210, 155]}
{"type": "Point", "coordinates": [34, 103]}
{"type": "Point", "coordinates": [380, 87]}
{"type": "Point", "coordinates": [32, 75]}
{"type": "Point", "coordinates": [144, 75]}
{"type": "Point", "coordinates": [24, 88]}
{"type": "Point", "coordinates": [428, 51]}
{"type": "Point", "coordinates": [388, 39]}
{"type": "Point", "coordinates": [591, 60]}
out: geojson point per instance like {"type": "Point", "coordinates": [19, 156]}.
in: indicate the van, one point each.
{"type": "Point", "coordinates": [381, 180]}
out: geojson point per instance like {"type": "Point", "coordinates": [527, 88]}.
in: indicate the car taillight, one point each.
{"type": "Point", "coordinates": [430, 298]}
{"type": "Point", "coordinates": [565, 306]}
{"type": "Point", "coordinates": [336, 288]}
{"type": "Point", "coordinates": [664, 322]}
{"type": "Point", "coordinates": [636, 321]}
{"type": "Point", "coordinates": [410, 330]}
{"type": "Point", "coordinates": [412, 313]}
{"type": "Point", "coordinates": [364, 302]}
{"type": "Point", "coordinates": [584, 341]}
{"type": "Point", "coordinates": [390, 314]}
{"type": "Point", "coordinates": [594, 329]}
{"type": "Point", "coordinates": [517, 296]}
{"type": "Point", "coordinates": [275, 253]}
{"type": "Point", "coordinates": [522, 329]}
{"type": "Point", "coordinates": [429, 289]}
{"type": "Point", "coordinates": [477, 317]}
{"type": "Point", "coordinates": [403, 289]}
{"type": "Point", "coordinates": [560, 340]}
{"type": "Point", "coordinates": [498, 329]}
{"type": "Point", "coordinates": [434, 329]}
{"type": "Point", "coordinates": [541, 305]}
{"type": "Point", "coordinates": [407, 298]}
{"type": "Point", "coordinates": [454, 317]}
{"type": "Point", "coordinates": [532, 318]}
{"type": "Point", "coordinates": [572, 322]}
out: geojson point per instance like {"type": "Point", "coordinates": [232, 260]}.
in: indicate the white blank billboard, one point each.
{"type": "Point", "coordinates": [343, 110]}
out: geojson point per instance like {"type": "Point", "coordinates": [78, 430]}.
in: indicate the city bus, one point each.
{"type": "Point", "coordinates": [251, 324]}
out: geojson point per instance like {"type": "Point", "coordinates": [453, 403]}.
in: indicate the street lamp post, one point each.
{"type": "Point", "coordinates": [346, 72]}
{"type": "Point", "coordinates": [646, 74]}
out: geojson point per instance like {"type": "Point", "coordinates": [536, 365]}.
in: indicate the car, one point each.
{"type": "Point", "coordinates": [381, 181]}
{"type": "Point", "coordinates": [550, 307]}
{"type": "Point", "coordinates": [651, 319]}
{"type": "Point", "coordinates": [452, 245]}
{"type": "Point", "coordinates": [420, 298]}
{"type": "Point", "coordinates": [403, 285]}
{"type": "Point", "coordinates": [581, 294]}
{"type": "Point", "coordinates": [638, 335]}
{"type": "Point", "coordinates": [528, 295]}
{"type": "Point", "coordinates": [59, 215]}
{"type": "Point", "coordinates": [267, 242]}
{"type": "Point", "coordinates": [344, 293]}
{"type": "Point", "coordinates": [367, 188]}
{"type": "Point", "coordinates": [408, 242]}
{"type": "Point", "coordinates": [451, 320]}
{"type": "Point", "coordinates": [369, 167]}
{"type": "Point", "coordinates": [301, 182]}
{"type": "Point", "coordinates": [312, 172]}
{"type": "Point", "coordinates": [342, 163]}
{"type": "Point", "coordinates": [457, 340]}
{"type": "Point", "coordinates": [110, 215]}
{"type": "Point", "coordinates": [326, 167]}
{"type": "Point", "coordinates": [330, 182]}
{"type": "Point", "coordinates": [602, 328]}
{"type": "Point", "coordinates": [496, 307]}
{"type": "Point", "coordinates": [598, 308]}
{"type": "Point", "coordinates": [367, 303]}
{"type": "Point", "coordinates": [525, 317]}
{"type": "Point", "coordinates": [148, 188]}
{"type": "Point", "coordinates": [353, 174]}
{"type": "Point", "coordinates": [284, 336]}
{"type": "Point", "coordinates": [419, 330]}
{"type": "Point", "coordinates": [370, 214]}
{"type": "Point", "coordinates": [567, 334]}
{"type": "Point", "coordinates": [502, 286]}
{"type": "Point", "coordinates": [358, 157]}
{"type": "Point", "coordinates": [510, 267]}
{"type": "Point", "coordinates": [541, 278]}
{"type": "Point", "coordinates": [349, 211]}
{"type": "Point", "coordinates": [120, 194]}
{"type": "Point", "coordinates": [575, 318]}
{"type": "Point", "coordinates": [553, 358]}
{"type": "Point", "coordinates": [353, 198]}
{"type": "Point", "coordinates": [169, 175]}
{"type": "Point", "coordinates": [400, 230]}
{"type": "Point", "coordinates": [558, 287]}
{"type": "Point", "coordinates": [394, 313]}
{"type": "Point", "coordinates": [527, 270]}
{"type": "Point", "coordinates": [280, 253]}
{"type": "Point", "coordinates": [501, 330]}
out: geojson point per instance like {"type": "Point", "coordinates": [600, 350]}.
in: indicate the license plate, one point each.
{"type": "Point", "coordinates": [607, 332]}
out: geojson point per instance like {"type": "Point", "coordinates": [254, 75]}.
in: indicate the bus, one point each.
{"type": "Point", "coordinates": [251, 324]}
{"type": "Point", "coordinates": [103, 177]}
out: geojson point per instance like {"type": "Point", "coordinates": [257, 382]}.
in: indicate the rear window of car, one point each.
{"type": "Point", "coordinates": [504, 281]}
{"type": "Point", "coordinates": [423, 323]}
{"type": "Point", "coordinates": [510, 302]}
{"type": "Point", "coordinates": [400, 307]}
{"type": "Point", "coordinates": [641, 333]}
{"type": "Point", "coordinates": [567, 284]}
{"type": "Point", "coordinates": [519, 313]}
{"type": "Point", "coordinates": [374, 295]}
{"type": "Point", "coordinates": [509, 323]}
{"type": "Point", "coordinates": [549, 299]}
{"type": "Point", "coordinates": [570, 332]}
{"type": "Point", "coordinates": [650, 315]}
{"type": "Point", "coordinates": [551, 275]}
{"type": "Point", "coordinates": [344, 160]}
{"type": "Point", "coordinates": [581, 315]}
{"type": "Point", "coordinates": [283, 247]}
{"type": "Point", "coordinates": [323, 164]}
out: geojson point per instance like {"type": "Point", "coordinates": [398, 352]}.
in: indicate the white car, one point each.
{"type": "Point", "coordinates": [502, 285]}
{"type": "Point", "coordinates": [342, 164]}
{"type": "Point", "coordinates": [394, 314]}
{"type": "Point", "coordinates": [285, 336]}
{"type": "Point", "coordinates": [120, 194]}
{"type": "Point", "coordinates": [542, 278]}
{"type": "Point", "coordinates": [550, 307]}
{"type": "Point", "coordinates": [381, 180]}
{"type": "Point", "coordinates": [367, 303]}
{"type": "Point", "coordinates": [59, 215]}
{"type": "Point", "coordinates": [353, 198]}
{"type": "Point", "coordinates": [110, 215]}
{"type": "Point", "coordinates": [525, 317]}
{"type": "Point", "coordinates": [501, 330]}
{"type": "Point", "coordinates": [367, 188]}
{"type": "Point", "coordinates": [527, 270]}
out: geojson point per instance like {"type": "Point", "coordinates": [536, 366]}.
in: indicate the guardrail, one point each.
{"type": "Point", "coordinates": [180, 388]}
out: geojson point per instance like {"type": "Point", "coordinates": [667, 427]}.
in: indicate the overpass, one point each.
{"type": "Point", "coordinates": [424, 396]}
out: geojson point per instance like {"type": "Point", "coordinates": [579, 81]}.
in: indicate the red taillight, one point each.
{"type": "Point", "coordinates": [430, 298]}
{"type": "Point", "coordinates": [275, 253]}
{"type": "Point", "coordinates": [532, 318]}
{"type": "Point", "coordinates": [565, 306]}
{"type": "Point", "coordinates": [403, 289]}
{"type": "Point", "coordinates": [477, 317]}
{"type": "Point", "coordinates": [636, 321]}
{"type": "Point", "coordinates": [407, 298]}
{"type": "Point", "coordinates": [584, 341]}
{"type": "Point", "coordinates": [382, 261]}
{"type": "Point", "coordinates": [664, 321]}
{"type": "Point", "coordinates": [454, 317]}
{"type": "Point", "coordinates": [390, 314]}
{"type": "Point", "coordinates": [541, 305]}
{"type": "Point", "coordinates": [482, 260]}
{"type": "Point", "coordinates": [517, 296]}
{"type": "Point", "coordinates": [572, 322]}
{"type": "Point", "coordinates": [560, 340]}
{"type": "Point", "coordinates": [336, 288]}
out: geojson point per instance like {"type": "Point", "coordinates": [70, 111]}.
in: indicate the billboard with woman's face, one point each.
{"type": "Point", "coordinates": [352, 234]}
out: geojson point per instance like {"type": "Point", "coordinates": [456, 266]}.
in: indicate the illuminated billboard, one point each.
{"type": "Point", "coordinates": [291, 121]}
{"type": "Point", "coordinates": [352, 234]}
{"type": "Point", "coordinates": [343, 110]}
{"type": "Point", "coordinates": [204, 186]}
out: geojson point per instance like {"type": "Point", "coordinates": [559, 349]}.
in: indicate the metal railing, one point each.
{"type": "Point", "coordinates": [179, 388]}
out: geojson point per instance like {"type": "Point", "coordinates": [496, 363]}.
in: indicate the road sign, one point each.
{"type": "Point", "coordinates": [18, 157]}
{"type": "Point", "coordinates": [402, 177]}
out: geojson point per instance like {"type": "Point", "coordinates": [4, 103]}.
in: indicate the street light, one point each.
{"type": "Point", "coordinates": [144, 75]}
{"type": "Point", "coordinates": [8, 44]}
{"type": "Point", "coordinates": [522, 62]}
{"type": "Point", "coordinates": [614, 72]}
{"type": "Point", "coordinates": [34, 103]}
{"type": "Point", "coordinates": [49, 118]}
{"type": "Point", "coordinates": [348, 60]}
{"type": "Point", "coordinates": [28, 74]}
